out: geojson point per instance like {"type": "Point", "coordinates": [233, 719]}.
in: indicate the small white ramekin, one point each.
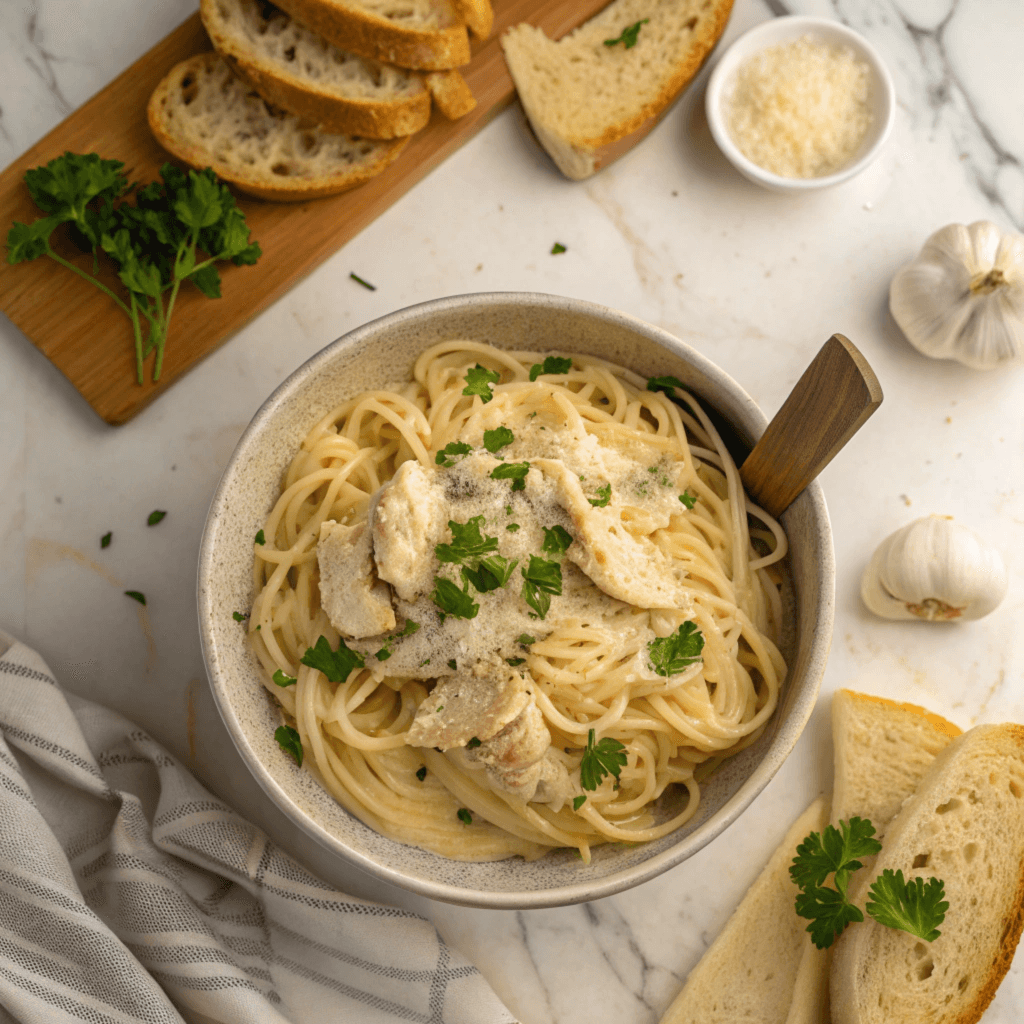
{"type": "Point", "coordinates": [882, 98]}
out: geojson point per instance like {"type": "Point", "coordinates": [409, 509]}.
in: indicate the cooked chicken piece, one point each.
{"type": "Point", "coordinates": [408, 520]}
{"type": "Point", "coordinates": [544, 782]}
{"type": "Point", "coordinates": [478, 703]}
{"type": "Point", "coordinates": [625, 567]}
{"type": "Point", "coordinates": [356, 602]}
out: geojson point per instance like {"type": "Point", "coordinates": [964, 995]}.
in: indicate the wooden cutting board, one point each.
{"type": "Point", "coordinates": [90, 340]}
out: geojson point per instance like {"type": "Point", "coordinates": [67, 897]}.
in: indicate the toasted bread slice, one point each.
{"type": "Point", "coordinates": [427, 35]}
{"type": "Point", "coordinates": [293, 68]}
{"type": "Point", "coordinates": [203, 114]}
{"type": "Point", "coordinates": [749, 972]}
{"type": "Point", "coordinates": [478, 16]}
{"type": "Point", "coordinates": [964, 825]}
{"type": "Point", "coordinates": [589, 102]}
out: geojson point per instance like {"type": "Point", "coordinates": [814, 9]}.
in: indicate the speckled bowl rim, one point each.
{"type": "Point", "coordinates": [784, 30]}
{"type": "Point", "coordinates": [787, 731]}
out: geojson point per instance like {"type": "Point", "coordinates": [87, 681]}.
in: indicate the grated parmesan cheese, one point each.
{"type": "Point", "coordinates": [800, 109]}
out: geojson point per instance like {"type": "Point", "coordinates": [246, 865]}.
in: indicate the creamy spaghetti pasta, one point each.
{"type": "Point", "coordinates": [547, 598]}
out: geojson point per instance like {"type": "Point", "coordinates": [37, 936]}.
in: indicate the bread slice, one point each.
{"type": "Point", "coordinates": [203, 114]}
{"type": "Point", "coordinates": [588, 102]}
{"type": "Point", "coordinates": [451, 93]}
{"type": "Point", "coordinates": [749, 972]}
{"type": "Point", "coordinates": [965, 825]}
{"type": "Point", "coordinates": [478, 16]}
{"type": "Point", "coordinates": [428, 35]}
{"type": "Point", "coordinates": [295, 69]}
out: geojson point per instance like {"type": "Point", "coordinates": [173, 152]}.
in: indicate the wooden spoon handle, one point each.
{"type": "Point", "coordinates": [829, 404]}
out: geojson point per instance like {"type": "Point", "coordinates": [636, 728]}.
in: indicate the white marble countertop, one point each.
{"type": "Point", "coordinates": [670, 233]}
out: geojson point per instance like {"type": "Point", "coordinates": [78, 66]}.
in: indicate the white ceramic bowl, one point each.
{"type": "Point", "coordinates": [881, 99]}
{"type": "Point", "coordinates": [383, 352]}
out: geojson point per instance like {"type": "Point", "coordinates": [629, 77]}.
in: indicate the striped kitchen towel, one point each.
{"type": "Point", "coordinates": [129, 893]}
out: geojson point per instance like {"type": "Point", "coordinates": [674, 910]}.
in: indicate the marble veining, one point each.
{"type": "Point", "coordinates": [671, 234]}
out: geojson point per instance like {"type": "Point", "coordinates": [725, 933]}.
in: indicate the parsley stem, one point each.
{"type": "Point", "coordinates": [88, 277]}
{"type": "Point", "coordinates": [138, 337]}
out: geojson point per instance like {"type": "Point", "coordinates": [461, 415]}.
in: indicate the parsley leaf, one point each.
{"type": "Point", "coordinates": [525, 639]}
{"type": "Point", "coordinates": [468, 543]}
{"type": "Point", "coordinates": [383, 654]}
{"type": "Point", "coordinates": [834, 851]}
{"type": "Point", "coordinates": [829, 913]}
{"type": "Point", "coordinates": [916, 906]}
{"type": "Point", "coordinates": [479, 380]}
{"type": "Point", "coordinates": [600, 760]}
{"type": "Point", "coordinates": [512, 527]}
{"type": "Point", "coordinates": [514, 471]}
{"type": "Point", "coordinates": [453, 601]}
{"type": "Point", "coordinates": [239, 617]}
{"type": "Point", "coordinates": [336, 665]}
{"type": "Point", "coordinates": [106, 538]}
{"type": "Point", "coordinates": [687, 499]}
{"type": "Point", "coordinates": [578, 802]}
{"type": "Point", "coordinates": [541, 578]}
{"type": "Point", "coordinates": [421, 773]}
{"type": "Point", "coordinates": [260, 539]}
{"type": "Point", "coordinates": [664, 384]}
{"type": "Point", "coordinates": [671, 654]}
{"type": "Point", "coordinates": [288, 740]}
{"type": "Point", "coordinates": [464, 816]}
{"type": "Point", "coordinates": [554, 365]}
{"type": "Point", "coordinates": [473, 743]}
{"type": "Point", "coordinates": [495, 440]}
{"type": "Point", "coordinates": [557, 248]}
{"type": "Point", "coordinates": [446, 456]}
{"type": "Point", "coordinates": [136, 595]}
{"type": "Point", "coordinates": [556, 540]}
{"type": "Point", "coordinates": [516, 662]}
{"type": "Point", "coordinates": [283, 679]}
{"type": "Point", "coordinates": [154, 517]}
{"type": "Point", "coordinates": [629, 35]}
{"type": "Point", "coordinates": [604, 495]}
{"type": "Point", "coordinates": [490, 573]}
{"type": "Point", "coordinates": [451, 664]}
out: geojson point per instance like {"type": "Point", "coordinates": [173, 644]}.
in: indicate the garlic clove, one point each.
{"type": "Point", "coordinates": [934, 570]}
{"type": "Point", "coordinates": [963, 296]}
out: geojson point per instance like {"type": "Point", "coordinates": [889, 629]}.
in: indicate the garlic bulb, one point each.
{"type": "Point", "coordinates": [934, 569]}
{"type": "Point", "coordinates": [963, 297]}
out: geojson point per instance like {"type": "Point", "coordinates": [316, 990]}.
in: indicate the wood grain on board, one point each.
{"type": "Point", "coordinates": [90, 340]}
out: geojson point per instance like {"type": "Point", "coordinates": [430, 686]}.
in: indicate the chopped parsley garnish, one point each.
{"type": "Point", "coordinates": [336, 665]}
{"type": "Point", "coordinates": [490, 573]}
{"type": "Point", "coordinates": [260, 539]}
{"type": "Point", "coordinates": [554, 365]}
{"type": "Point", "coordinates": [239, 617]}
{"type": "Point", "coordinates": [671, 654]}
{"type": "Point", "coordinates": [516, 662]}
{"type": "Point", "coordinates": [525, 639]}
{"type": "Point", "coordinates": [495, 440]}
{"type": "Point", "coordinates": [508, 510]}
{"type": "Point", "coordinates": [446, 455]}
{"type": "Point", "coordinates": [540, 579]}
{"type": "Point", "coordinates": [473, 743]}
{"type": "Point", "coordinates": [578, 802]}
{"type": "Point", "coordinates": [288, 740]}
{"type": "Point", "coordinates": [425, 661]}
{"type": "Point", "coordinates": [154, 517]}
{"type": "Point", "coordinates": [106, 538]}
{"type": "Point", "coordinates": [557, 248]}
{"type": "Point", "coordinates": [410, 628]}
{"type": "Point", "coordinates": [664, 384]}
{"type": "Point", "coordinates": [136, 595]}
{"type": "Point", "coordinates": [383, 654]}
{"type": "Point", "coordinates": [479, 380]}
{"type": "Point", "coordinates": [687, 499]}
{"type": "Point", "coordinates": [465, 817]}
{"type": "Point", "coordinates": [556, 540]}
{"type": "Point", "coordinates": [365, 284]}
{"type": "Point", "coordinates": [421, 773]}
{"type": "Point", "coordinates": [453, 601]}
{"type": "Point", "coordinates": [514, 471]}
{"type": "Point", "coordinates": [451, 664]}
{"type": "Point", "coordinates": [600, 760]}
{"type": "Point", "coordinates": [629, 35]}
{"type": "Point", "coordinates": [468, 543]}
{"type": "Point", "coordinates": [282, 678]}
{"type": "Point", "coordinates": [512, 527]}
{"type": "Point", "coordinates": [604, 495]}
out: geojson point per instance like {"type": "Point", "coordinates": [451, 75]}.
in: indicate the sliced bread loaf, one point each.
{"type": "Point", "coordinates": [451, 93]}
{"type": "Point", "coordinates": [749, 972]}
{"type": "Point", "coordinates": [203, 114]}
{"type": "Point", "coordinates": [428, 35]}
{"type": "Point", "coordinates": [295, 69]}
{"type": "Point", "coordinates": [964, 825]}
{"type": "Point", "coordinates": [600, 89]}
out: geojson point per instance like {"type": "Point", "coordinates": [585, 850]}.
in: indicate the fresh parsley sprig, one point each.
{"type": "Point", "coordinates": [600, 760]}
{"type": "Point", "coordinates": [453, 601]}
{"type": "Point", "coordinates": [495, 440]}
{"type": "Point", "coordinates": [176, 231]}
{"type": "Point", "coordinates": [479, 380]}
{"type": "Point", "coordinates": [554, 365]}
{"type": "Point", "coordinates": [557, 540]}
{"type": "Point", "coordinates": [671, 654]}
{"type": "Point", "coordinates": [468, 543]}
{"type": "Point", "coordinates": [916, 907]}
{"type": "Point", "coordinates": [336, 665]}
{"type": "Point", "coordinates": [541, 578]}
{"type": "Point", "coordinates": [446, 456]}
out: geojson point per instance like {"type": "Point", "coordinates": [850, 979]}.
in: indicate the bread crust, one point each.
{"type": "Point", "coordinates": [371, 36]}
{"type": "Point", "coordinates": [451, 94]}
{"type": "Point", "coordinates": [262, 186]}
{"type": "Point", "coordinates": [372, 119]}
